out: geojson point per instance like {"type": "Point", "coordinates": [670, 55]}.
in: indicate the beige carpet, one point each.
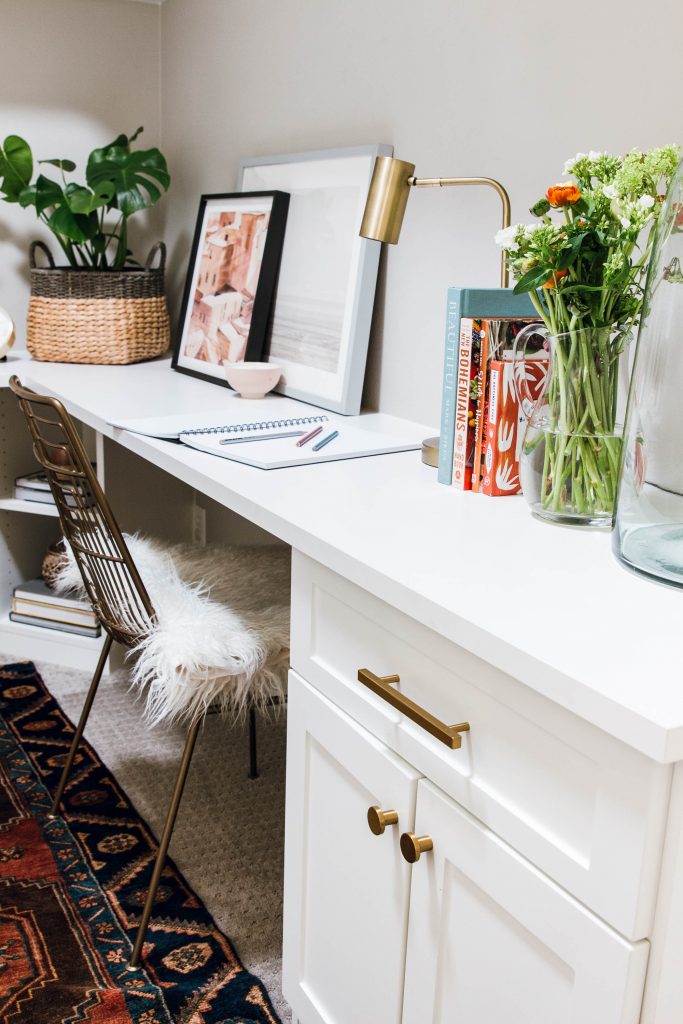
{"type": "Point", "coordinates": [228, 840]}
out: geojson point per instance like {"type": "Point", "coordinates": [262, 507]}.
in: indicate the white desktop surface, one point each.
{"type": "Point", "coordinates": [546, 604]}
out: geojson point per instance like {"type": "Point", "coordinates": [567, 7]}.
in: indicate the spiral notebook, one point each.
{"type": "Point", "coordinates": [272, 444]}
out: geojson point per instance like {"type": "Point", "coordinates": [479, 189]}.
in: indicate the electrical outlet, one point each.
{"type": "Point", "coordinates": [198, 525]}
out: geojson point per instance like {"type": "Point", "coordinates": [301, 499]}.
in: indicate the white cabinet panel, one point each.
{"type": "Point", "coordinates": [493, 940]}
{"type": "Point", "coordinates": [346, 889]}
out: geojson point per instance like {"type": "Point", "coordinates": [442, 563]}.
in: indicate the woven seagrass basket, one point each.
{"type": "Point", "coordinates": [97, 316]}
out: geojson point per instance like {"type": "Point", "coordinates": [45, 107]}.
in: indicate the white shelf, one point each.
{"type": "Point", "coordinates": [42, 644]}
{"type": "Point", "coordinates": [36, 508]}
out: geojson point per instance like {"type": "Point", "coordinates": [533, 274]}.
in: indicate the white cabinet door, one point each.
{"type": "Point", "coordinates": [346, 889]}
{"type": "Point", "coordinates": [491, 939]}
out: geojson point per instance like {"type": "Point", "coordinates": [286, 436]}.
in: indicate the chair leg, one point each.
{"type": "Point", "coordinates": [106, 647]}
{"type": "Point", "coordinates": [253, 757]}
{"type": "Point", "coordinates": [163, 845]}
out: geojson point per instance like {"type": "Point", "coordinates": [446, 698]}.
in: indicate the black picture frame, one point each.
{"type": "Point", "coordinates": [214, 325]}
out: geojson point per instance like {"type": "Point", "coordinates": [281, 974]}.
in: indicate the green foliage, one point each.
{"type": "Point", "coordinates": [89, 221]}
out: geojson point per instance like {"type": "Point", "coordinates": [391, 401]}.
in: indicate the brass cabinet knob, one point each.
{"type": "Point", "coordinates": [378, 819]}
{"type": "Point", "coordinates": [412, 846]}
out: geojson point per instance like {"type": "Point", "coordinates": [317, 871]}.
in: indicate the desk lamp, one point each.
{"type": "Point", "coordinates": [388, 194]}
{"type": "Point", "coordinates": [384, 209]}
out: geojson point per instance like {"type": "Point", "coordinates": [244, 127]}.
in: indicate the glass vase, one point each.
{"type": "Point", "coordinates": [648, 534]}
{"type": "Point", "coordinates": [569, 460]}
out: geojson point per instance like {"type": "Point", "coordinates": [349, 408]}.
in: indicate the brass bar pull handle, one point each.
{"type": "Point", "coordinates": [381, 685]}
{"type": "Point", "coordinates": [379, 819]}
{"type": "Point", "coordinates": [412, 846]}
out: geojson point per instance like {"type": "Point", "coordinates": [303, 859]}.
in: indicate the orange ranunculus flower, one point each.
{"type": "Point", "coordinates": [557, 275]}
{"type": "Point", "coordinates": [564, 194]}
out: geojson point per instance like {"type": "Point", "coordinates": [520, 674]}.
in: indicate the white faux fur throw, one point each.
{"type": "Point", "coordinates": [222, 630]}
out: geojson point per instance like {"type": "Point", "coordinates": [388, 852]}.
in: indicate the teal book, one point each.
{"type": "Point", "coordinates": [477, 303]}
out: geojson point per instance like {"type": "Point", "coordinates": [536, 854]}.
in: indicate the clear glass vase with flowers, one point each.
{"type": "Point", "coordinates": [585, 274]}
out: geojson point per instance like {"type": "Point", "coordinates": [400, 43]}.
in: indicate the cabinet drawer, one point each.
{"type": "Point", "coordinates": [582, 806]}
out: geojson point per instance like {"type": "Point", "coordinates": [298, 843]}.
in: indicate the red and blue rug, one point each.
{"type": "Point", "coordinates": [71, 892]}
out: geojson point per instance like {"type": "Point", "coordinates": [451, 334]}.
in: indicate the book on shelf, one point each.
{"type": "Point", "coordinates": [38, 590]}
{"type": "Point", "coordinates": [34, 600]}
{"type": "Point", "coordinates": [506, 422]}
{"type": "Point", "coordinates": [30, 494]}
{"type": "Point", "coordinates": [488, 329]}
{"type": "Point", "coordinates": [477, 303]}
{"type": "Point", "coordinates": [471, 352]}
{"type": "Point", "coordinates": [36, 481]}
{"type": "Point", "coordinates": [33, 487]}
{"type": "Point", "coordinates": [31, 620]}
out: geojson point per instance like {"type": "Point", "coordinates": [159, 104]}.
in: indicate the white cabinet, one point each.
{"type": "Point", "coordinates": [492, 939]}
{"type": "Point", "coordinates": [475, 932]}
{"type": "Point", "coordinates": [346, 889]}
{"type": "Point", "coordinates": [561, 792]}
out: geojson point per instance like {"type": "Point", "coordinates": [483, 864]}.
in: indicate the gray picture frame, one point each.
{"type": "Point", "coordinates": [323, 305]}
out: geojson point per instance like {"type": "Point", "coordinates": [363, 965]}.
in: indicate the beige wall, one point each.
{"type": "Point", "coordinates": [484, 87]}
{"type": "Point", "coordinates": [75, 73]}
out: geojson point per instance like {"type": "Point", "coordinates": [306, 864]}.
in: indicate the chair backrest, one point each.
{"type": "Point", "coordinates": [110, 577]}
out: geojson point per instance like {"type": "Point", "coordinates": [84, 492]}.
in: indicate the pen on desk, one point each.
{"type": "Point", "coordinates": [308, 437]}
{"type": "Point", "coordinates": [325, 440]}
{"type": "Point", "coordinates": [260, 437]}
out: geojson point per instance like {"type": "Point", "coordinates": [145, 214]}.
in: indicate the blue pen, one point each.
{"type": "Point", "coordinates": [325, 440]}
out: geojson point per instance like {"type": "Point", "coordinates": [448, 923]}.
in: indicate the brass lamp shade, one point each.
{"type": "Point", "coordinates": [387, 198]}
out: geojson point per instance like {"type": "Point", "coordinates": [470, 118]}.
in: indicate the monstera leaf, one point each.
{"type": "Point", "coordinates": [138, 178]}
{"type": "Point", "coordinates": [16, 167]}
{"type": "Point", "coordinates": [69, 210]}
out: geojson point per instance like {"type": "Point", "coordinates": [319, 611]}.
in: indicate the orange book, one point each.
{"type": "Point", "coordinates": [506, 423]}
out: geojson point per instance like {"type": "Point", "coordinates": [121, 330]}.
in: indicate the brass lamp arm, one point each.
{"type": "Point", "coordinates": [492, 183]}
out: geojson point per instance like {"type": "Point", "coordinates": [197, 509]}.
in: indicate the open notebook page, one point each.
{"type": "Point", "coordinates": [236, 411]}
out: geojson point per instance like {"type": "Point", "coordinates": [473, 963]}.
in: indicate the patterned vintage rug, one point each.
{"type": "Point", "coordinates": [71, 891]}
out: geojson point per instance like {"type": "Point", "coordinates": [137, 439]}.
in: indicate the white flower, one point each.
{"type": "Point", "coordinates": [625, 222]}
{"type": "Point", "coordinates": [506, 238]}
{"type": "Point", "coordinates": [569, 165]}
{"type": "Point", "coordinates": [594, 155]}
{"type": "Point", "coordinates": [646, 202]}
{"type": "Point", "coordinates": [610, 191]}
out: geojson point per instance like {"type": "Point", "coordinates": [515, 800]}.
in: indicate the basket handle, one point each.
{"type": "Point", "coordinates": [158, 248]}
{"type": "Point", "coordinates": [32, 255]}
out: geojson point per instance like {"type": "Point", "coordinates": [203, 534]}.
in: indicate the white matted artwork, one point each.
{"type": "Point", "coordinates": [328, 273]}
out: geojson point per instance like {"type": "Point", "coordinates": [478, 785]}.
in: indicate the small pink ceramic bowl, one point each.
{"type": "Point", "coordinates": [252, 380]}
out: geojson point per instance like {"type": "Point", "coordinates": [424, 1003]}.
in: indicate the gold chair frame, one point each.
{"type": "Point", "coordinates": [112, 583]}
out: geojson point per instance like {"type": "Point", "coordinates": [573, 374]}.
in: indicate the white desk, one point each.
{"type": "Point", "coordinates": [379, 541]}
{"type": "Point", "coordinates": [548, 605]}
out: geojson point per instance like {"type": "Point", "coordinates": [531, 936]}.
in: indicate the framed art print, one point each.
{"type": "Point", "coordinates": [230, 282]}
{"type": "Point", "coordinates": [326, 288]}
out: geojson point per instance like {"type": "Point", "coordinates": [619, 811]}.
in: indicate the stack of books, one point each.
{"type": "Point", "coordinates": [33, 487]}
{"type": "Point", "coordinates": [482, 420]}
{"type": "Point", "coordinates": [34, 604]}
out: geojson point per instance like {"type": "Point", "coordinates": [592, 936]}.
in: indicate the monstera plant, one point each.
{"type": "Point", "coordinates": [89, 221]}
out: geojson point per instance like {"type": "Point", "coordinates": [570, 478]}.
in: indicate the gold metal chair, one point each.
{"type": "Point", "coordinates": [112, 583]}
